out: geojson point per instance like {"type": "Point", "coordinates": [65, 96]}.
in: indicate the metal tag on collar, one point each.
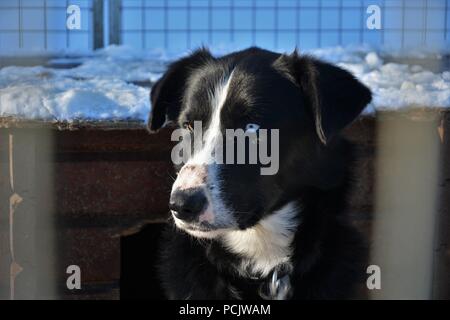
{"type": "Point", "coordinates": [279, 288]}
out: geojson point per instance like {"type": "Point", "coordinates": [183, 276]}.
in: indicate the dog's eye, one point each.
{"type": "Point", "coordinates": [188, 125]}
{"type": "Point", "coordinates": [251, 127]}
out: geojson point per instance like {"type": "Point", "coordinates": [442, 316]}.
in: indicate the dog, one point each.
{"type": "Point", "coordinates": [238, 234]}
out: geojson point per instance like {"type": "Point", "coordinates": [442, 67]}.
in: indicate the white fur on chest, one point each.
{"type": "Point", "coordinates": [267, 244]}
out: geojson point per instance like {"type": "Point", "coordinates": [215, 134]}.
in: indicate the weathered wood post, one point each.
{"type": "Point", "coordinates": [26, 224]}
{"type": "Point", "coordinates": [406, 213]}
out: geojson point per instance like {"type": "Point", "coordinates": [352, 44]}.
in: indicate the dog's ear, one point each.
{"type": "Point", "coordinates": [335, 97]}
{"type": "Point", "coordinates": [167, 93]}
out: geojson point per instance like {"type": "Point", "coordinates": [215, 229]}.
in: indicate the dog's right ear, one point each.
{"type": "Point", "coordinates": [333, 95]}
{"type": "Point", "coordinates": [166, 94]}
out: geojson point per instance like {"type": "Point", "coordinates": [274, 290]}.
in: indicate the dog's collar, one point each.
{"type": "Point", "coordinates": [275, 286]}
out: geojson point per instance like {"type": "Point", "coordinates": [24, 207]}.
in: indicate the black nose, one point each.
{"type": "Point", "coordinates": [187, 204]}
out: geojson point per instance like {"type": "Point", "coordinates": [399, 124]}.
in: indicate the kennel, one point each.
{"type": "Point", "coordinates": [78, 192]}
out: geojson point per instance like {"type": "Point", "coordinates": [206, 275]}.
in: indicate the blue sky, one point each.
{"type": "Point", "coordinates": [183, 24]}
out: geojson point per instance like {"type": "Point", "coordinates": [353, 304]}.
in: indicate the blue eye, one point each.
{"type": "Point", "coordinates": [251, 127]}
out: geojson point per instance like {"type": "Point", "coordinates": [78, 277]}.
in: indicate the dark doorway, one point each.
{"type": "Point", "coordinates": [139, 253]}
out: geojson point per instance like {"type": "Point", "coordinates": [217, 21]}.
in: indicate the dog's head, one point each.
{"type": "Point", "coordinates": [307, 101]}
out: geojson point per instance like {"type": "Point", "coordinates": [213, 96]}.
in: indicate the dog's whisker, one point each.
{"type": "Point", "coordinates": [173, 178]}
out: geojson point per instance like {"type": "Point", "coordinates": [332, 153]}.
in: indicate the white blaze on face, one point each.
{"type": "Point", "coordinates": [213, 135]}
{"type": "Point", "coordinates": [201, 170]}
{"type": "Point", "coordinates": [190, 176]}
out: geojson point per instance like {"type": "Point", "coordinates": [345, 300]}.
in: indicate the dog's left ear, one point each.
{"type": "Point", "coordinates": [166, 94]}
{"type": "Point", "coordinates": [334, 96]}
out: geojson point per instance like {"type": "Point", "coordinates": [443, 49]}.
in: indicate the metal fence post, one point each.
{"type": "Point", "coordinates": [115, 22]}
{"type": "Point", "coordinates": [97, 15]}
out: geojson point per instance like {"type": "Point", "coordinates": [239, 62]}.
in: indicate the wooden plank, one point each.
{"type": "Point", "coordinates": [10, 122]}
{"type": "Point", "coordinates": [416, 114]}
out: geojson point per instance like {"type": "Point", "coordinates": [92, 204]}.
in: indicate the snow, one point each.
{"type": "Point", "coordinates": [123, 62]}
{"type": "Point", "coordinates": [399, 86]}
{"type": "Point", "coordinates": [101, 87]}
{"type": "Point", "coordinates": [48, 94]}
{"type": "Point", "coordinates": [394, 86]}
{"type": "Point", "coordinates": [373, 61]}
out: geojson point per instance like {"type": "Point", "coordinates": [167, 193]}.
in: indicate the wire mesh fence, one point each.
{"type": "Point", "coordinates": [283, 24]}
{"type": "Point", "coordinates": [40, 25]}
{"type": "Point", "coordinates": [185, 24]}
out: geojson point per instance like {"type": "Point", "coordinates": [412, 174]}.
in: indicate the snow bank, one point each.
{"type": "Point", "coordinates": [48, 94]}
{"type": "Point", "coordinates": [121, 62]}
{"type": "Point", "coordinates": [399, 86]}
{"type": "Point", "coordinates": [100, 88]}
{"type": "Point", "coordinates": [394, 86]}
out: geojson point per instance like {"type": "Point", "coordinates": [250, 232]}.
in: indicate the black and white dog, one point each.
{"type": "Point", "coordinates": [238, 234]}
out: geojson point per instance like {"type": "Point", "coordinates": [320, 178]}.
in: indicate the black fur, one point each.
{"type": "Point", "coordinates": [310, 102]}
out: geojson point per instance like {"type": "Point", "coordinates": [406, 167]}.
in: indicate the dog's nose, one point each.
{"type": "Point", "coordinates": [187, 204]}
